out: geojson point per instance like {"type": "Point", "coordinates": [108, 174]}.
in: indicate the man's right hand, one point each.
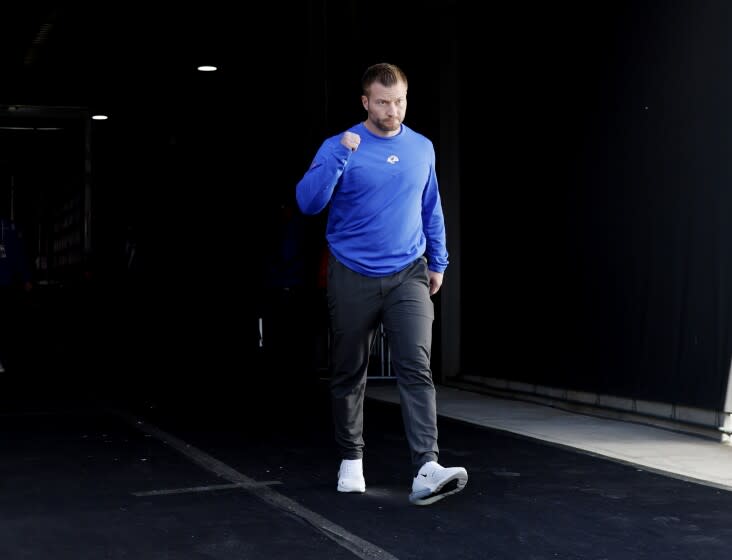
{"type": "Point", "coordinates": [351, 140]}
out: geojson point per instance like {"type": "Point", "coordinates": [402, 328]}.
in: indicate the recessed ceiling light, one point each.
{"type": "Point", "coordinates": [99, 117]}
{"type": "Point", "coordinates": [207, 69]}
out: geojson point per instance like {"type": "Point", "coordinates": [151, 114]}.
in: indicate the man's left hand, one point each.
{"type": "Point", "coordinates": [435, 281]}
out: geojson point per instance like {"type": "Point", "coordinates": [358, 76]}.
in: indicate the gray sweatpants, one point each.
{"type": "Point", "coordinates": [402, 302]}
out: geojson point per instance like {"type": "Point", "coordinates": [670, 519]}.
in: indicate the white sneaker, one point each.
{"type": "Point", "coordinates": [434, 482]}
{"type": "Point", "coordinates": [350, 476]}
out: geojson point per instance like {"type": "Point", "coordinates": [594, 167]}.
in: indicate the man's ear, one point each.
{"type": "Point", "coordinates": [365, 102]}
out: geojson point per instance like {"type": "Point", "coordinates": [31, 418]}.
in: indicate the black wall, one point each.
{"type": "Point", "coordinates": [600, 207]}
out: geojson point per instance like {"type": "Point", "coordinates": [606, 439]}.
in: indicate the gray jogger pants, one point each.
{"type": "Point", "coordinates": [402, 303]}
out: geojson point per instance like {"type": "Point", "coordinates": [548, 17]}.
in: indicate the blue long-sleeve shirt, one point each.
{"type": "Point", "coordinates": [385, 208]}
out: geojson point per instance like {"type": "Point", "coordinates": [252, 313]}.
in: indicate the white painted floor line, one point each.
{"type": "Point", "coordinates": [355, 544]}
{"type": "Point", "coordinates": [205, 488]}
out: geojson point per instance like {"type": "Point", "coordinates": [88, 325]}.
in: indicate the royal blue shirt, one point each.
{"type": "Point", "coordinates": [385, 209]}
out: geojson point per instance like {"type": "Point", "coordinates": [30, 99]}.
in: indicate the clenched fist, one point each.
{"type": "Point", "coordinates": [351, 140]}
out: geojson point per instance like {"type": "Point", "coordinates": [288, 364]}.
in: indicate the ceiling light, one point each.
{"type": "Point", "coordinates": [207, 69]}
{"type": "Point", "coordinates": [99, 117]}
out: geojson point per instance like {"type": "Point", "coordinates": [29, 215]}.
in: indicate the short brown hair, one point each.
{"type": "Point", "coordinates": [384, 73]}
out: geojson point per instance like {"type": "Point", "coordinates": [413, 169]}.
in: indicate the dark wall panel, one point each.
{"type": "Point", "coordinates": [601, 216]}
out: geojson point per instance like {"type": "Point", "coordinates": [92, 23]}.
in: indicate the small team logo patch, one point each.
{"type": "Point", "coordinates": [392, 159]}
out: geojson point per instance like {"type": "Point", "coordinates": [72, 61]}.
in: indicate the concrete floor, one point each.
{"type": "Point", "coordinates": [667, 452]}
{"type": "Point", "coordinates": [249, 471]}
